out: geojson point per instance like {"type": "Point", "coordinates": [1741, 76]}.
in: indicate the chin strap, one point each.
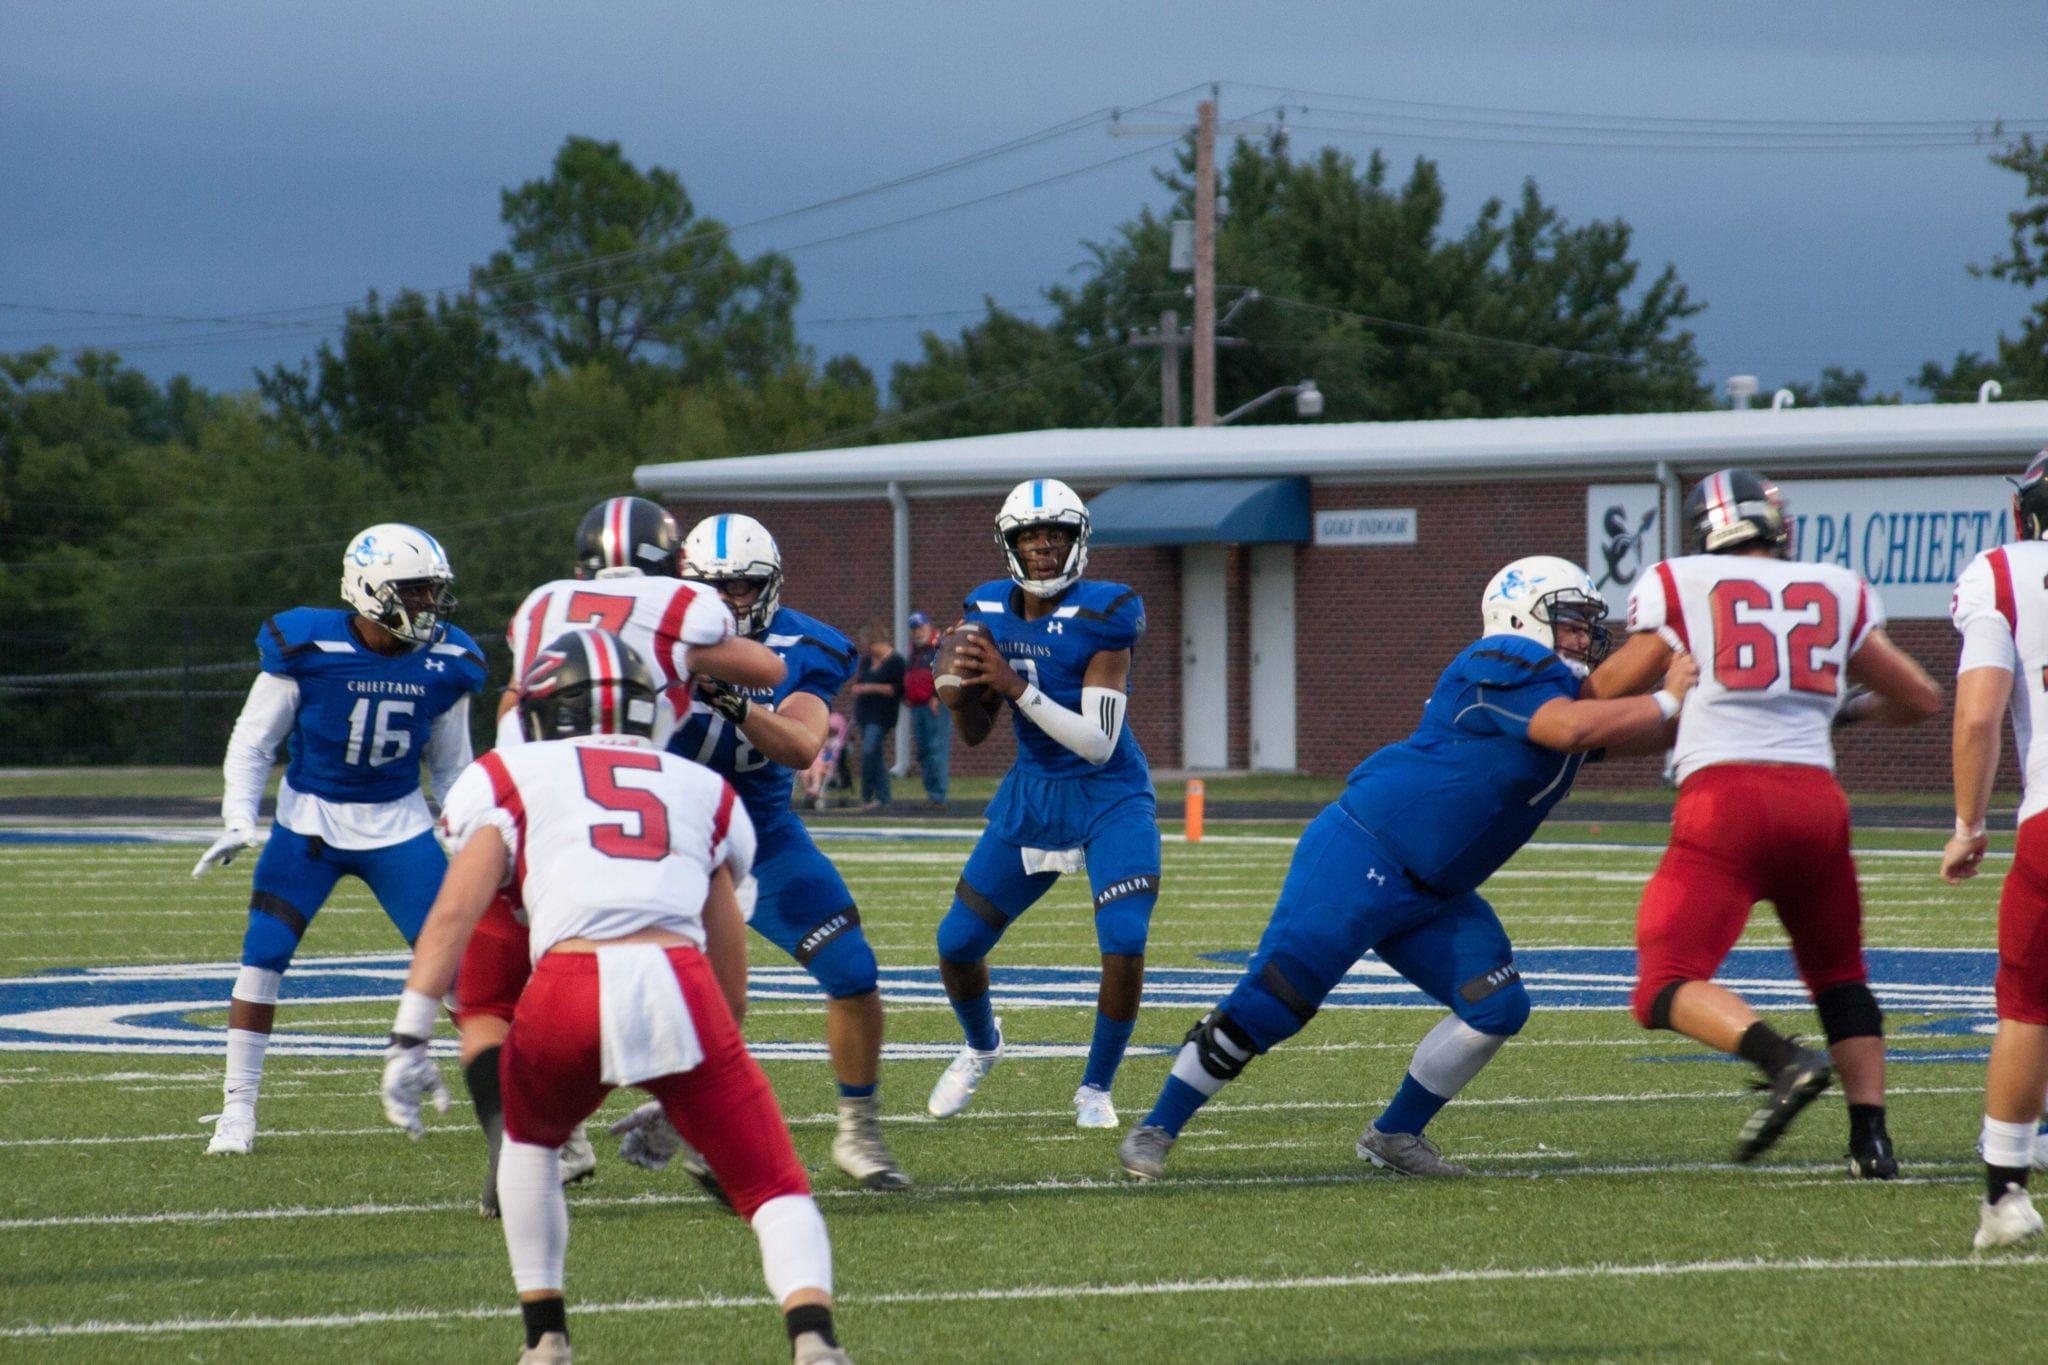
{"type": "Point", "coordinates": [1091, 732]}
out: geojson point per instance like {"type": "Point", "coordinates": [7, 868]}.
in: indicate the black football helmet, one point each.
{"type": "Point", "coordinates": [587, 682]}
{"type": "Point", "coordinates": [2030, 500]}
{"type": "Point", "coordinates": [1733, 511]}
{"type": "Point", "coordinates": [623, 536]}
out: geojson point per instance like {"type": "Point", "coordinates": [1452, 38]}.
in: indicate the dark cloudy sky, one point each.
{"type": "Point", "coordinates": [207, 160]}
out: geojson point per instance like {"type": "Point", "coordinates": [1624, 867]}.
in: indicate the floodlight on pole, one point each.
{"type": "Point", "coordinates": [1308, 402]}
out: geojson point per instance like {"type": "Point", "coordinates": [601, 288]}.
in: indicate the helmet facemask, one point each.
{"type": "Point", "coordinates": [1069, 567]}
{"type": "Point", "coordinates": [766, 579]}
{"type": "Point", "coordinates": [415, 609]}
{"type": "Point", "coordinates": [1570, 612]}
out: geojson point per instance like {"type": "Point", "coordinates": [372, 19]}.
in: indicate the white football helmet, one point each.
{"type": "Point", "coordinates": [1043, 502]}
{"type": "Point", "coordinates": [733, 546]}
{"type": "Point", "coordinates": [399, 577]}
{"type": "Point", "coordinates": [1529, 596]}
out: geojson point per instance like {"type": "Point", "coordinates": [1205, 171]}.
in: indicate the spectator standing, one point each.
{"type": "Point", "coordinates": [877, 695]}
{"type": "Point", "coordinates": [931, 729]}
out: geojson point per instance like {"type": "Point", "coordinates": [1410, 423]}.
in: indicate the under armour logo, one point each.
{"type": "Point", "coordinates": [1056, 628]}
{"type": "Point", "coordinates": [1373, 874]}
{"type": "Point", "coordinates": [438, 665]}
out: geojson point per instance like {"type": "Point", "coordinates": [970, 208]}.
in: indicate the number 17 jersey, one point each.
{"type": "Point", "coordinates": [1773, 638]}
{"type": "Point", "coordinates": [659, 617]}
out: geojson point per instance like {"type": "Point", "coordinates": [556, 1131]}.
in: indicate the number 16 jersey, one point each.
{"type": "Point", "coordinates": [1773, 638]}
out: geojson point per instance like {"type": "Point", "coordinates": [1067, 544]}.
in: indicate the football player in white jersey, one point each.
{"type": "Point", "coordinates": [625, 859]}
{"type": "Point", "coordinates": [1759, 814]}
{"type": "Point", "coordinates": [2001, 609]}
{"type": "Point", "coordinates": [628, 554]}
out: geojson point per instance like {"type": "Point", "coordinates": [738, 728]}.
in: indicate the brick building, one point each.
{"type": "Point", "coordinates": [1304, 584]}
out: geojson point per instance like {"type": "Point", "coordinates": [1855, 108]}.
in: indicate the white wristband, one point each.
{"type": "Point", "coordinates": [417, 1012]}
{"type": "Point", "coordinates": [1667, 704]}
{"type": "Point", "coordinates": [1968, 831]}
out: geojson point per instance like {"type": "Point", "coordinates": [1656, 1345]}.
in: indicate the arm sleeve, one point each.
{"type": "Point", "coordinates": [1090, 732]}
{"type": "Point", "coordinates": [266, 719]}
{"type": "Point", "coordinates": [448, 751]}
{"type": "Point", "coordinates": [469, 806]}
{"type": "Point", "coordinates": [1987, 635]}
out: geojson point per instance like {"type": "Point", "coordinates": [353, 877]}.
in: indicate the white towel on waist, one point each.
{"type": "Point", "coordinates": [1037, 860]}
{"type": "Point", "coordinates": [644, 1026]}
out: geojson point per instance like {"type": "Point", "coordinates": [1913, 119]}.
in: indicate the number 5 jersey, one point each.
{"type": "Point", "coordinates": [1773, 638]}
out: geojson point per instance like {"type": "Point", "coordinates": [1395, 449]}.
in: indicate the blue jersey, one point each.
{"type": "Point", "coordinates": [1052, 654]}
{"type": "Point", "coordinates": [1454, 800]}
{"type": "Point", "coordinates": [363, 717]}
{"type": "Point", "coordinates": [820, 660]}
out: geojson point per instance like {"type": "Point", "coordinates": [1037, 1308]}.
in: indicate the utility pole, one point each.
{"type": "Point", "coordinates": [1205, 263]}
{"type": "Point", "coordinates": [1171, 341]}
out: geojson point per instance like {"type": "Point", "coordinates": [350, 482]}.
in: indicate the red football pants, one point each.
{"type": "Point", "coordinates": [495, 965]}
{"type": "Point", "coordinates": [550, 1074]}
{"type": "Point", "coordinates": [1741, 833]}
{"type": "Point", "coordinates": [2023, 929]}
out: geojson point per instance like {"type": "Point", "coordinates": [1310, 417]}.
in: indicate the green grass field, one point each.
{"type": "Point", "coordinates": [1604, 1223]}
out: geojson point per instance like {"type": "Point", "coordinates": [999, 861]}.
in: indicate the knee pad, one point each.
{"type": "Point", "coordinates": [1849, 1011]}
{"type": "Point", "coordinates": [1270, 1005]}
{"type": "Point", "coordinates": [1123, 915]}
{"type": "Point", "coordinates": [257, 985]}
{"type": "Point", "coordinates": [275, 926]}
{"type": "Point", "coordinates": [972, 927]}
{"type": "Point", "coordinates": [1221, 1046]}
{"type": "Point", "coordinates": [1501, 1011]}
{"type": "Point", "coordinates": [838, 957]}
{"type": "Point", "coordinates": [1653, 1009]}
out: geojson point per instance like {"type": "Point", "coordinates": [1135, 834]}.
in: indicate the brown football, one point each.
{"type": "Point", "coordinates": [953, 693]}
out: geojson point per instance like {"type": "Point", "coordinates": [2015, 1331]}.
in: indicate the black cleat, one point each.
{"type": "Point", "coordinates": [1874, 1158]}
{"type": "Point", "coordinates": [1795, 1086]}
{"type": "Point", "coordinates": [699, 1170]}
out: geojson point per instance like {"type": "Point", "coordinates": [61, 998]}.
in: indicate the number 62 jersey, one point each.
{"type": "Point", "coordinates": [1773, 638]}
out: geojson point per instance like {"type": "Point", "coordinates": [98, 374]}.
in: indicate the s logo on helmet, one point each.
{"type": "Point", "coordinates": [1515, 583]}
{"type": "Point", "coordinates": [366, 553]}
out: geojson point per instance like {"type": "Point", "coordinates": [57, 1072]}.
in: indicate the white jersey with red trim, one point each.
{"type": "Point", "coordinates": [2001, 609]}
{"type": "Point", "coordinates": [659, 617]}
{"type": "Point", "coordinates": [1773, 638]}
{"type": "Point", "coordinates": [607, 836]}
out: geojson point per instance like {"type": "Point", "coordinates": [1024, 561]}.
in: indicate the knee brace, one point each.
{"type": "Point", "coordinates": [972, 927]}
{"type": "Point", "coordinates": [1849, 1011]}
{"type": "Point", "coordinates": [838, 957]}
{"type": "Point", "coordinates": [1221, 1046]}
{"type": "Point", "coordinates": [1496, 1003]}
{"type": "Point", "coordinates": [275, 926]}
{"type": "Point", "coordinates": [1270, 1005]}
{"type": "Point", "coordinates": [1123, 915]}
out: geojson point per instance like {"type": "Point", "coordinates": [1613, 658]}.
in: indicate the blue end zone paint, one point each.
{"type": "Point", "coordinates": [149, 1009]}
{"type": "Point", "coordinates": [58, 836]}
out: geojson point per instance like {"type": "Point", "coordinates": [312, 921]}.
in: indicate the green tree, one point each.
{"type": "Point", "coordinates": [2020, 363]}
{"type": "Point", "coordinates": [609, 264]}
{"type": "Point", "coordinates": [1838, 388]}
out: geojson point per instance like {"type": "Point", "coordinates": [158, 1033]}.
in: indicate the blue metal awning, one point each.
{"type": "Point", "coordinates": [1202, 512]}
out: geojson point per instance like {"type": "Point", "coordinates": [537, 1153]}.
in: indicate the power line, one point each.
{"type": "Point", "coordinates": [1509, 343]}
{"type": "Point", "coordinates": [1931, 143]}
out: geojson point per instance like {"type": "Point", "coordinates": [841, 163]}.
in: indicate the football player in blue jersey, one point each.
{"type": "Point", "coordinates": [759, 738]}
{"type": "Point", "coordinates": [1393, 867]}
{"type": "Point", "coordinates": [1058, 650]}
{"type": "Point", "coordinates": [364, 694]}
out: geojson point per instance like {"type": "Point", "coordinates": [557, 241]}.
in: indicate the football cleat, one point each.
{"type": "Point", "coordinates": [234, 1134]}
{"type": "Point", "coordinates": [578, 1158]}
{"type": "Point", "coordinates": [1092, 1109]}
{"type": "Point", "coordinates": [1875, 1159]}
{"type": "Point", "coordinates": [2010, 1221]}
{"type": "Point", "coordinates": [698, 1169]}
{"type": "Point", "coordinates": [859, 1150]}
{"type": "Point", "coordinates": [1406, 1154]}
{"type": "Point", "coordinates": [1796, 1085]}
{"type": "Point", "coordinates": [552, 1349]}
{"type": "Point", "coordinates": [812, 1349]}
{"type": "Point", "coordinates": [963, 1077]}
{"type": "Point", "coordinates": [1143, 1152]}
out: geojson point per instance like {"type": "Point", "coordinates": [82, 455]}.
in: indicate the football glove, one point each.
{"type": "Point", "coordinates": [725, 699]}
{"type": "Point", "coordinates": [237, 837]}
{"type": "Point", "coordinates": [646, 1138]}
{"type": "Point", "coordinates": [410, 1076]}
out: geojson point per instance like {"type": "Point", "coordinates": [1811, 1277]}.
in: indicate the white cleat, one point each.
{"type": "Point", "coordinates": [1092, 1109]}
{"type": "Point", "coordinates": [234, 1134]}
{"type": "Point", "coordinates": [578, 1158]}
{"type": "Point", "coordinates": [963, 1077]}
{"type": "Point", "coordinates": [553, 1349]}
{"type": "Point", "coordinates": [812, 1349]}
{"type": "Point", "coordinates": [2010, 1221]}
{"type": "Point", "coordinates": [1406, 1154]}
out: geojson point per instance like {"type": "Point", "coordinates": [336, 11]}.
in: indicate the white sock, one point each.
{"type": "Point", "coordinates": [795, 1252]}
{"type": "Point", "coordinates": [535, 1214]}
{"type": "Point", "coordinates": [2008, 1144]}
{"type": "Point", "coordinates": [1450, 1055]}
{"type": "Point", "coordinates": [245, 1069]}
{"type": "Point", "coordinates": [1188, 1066]}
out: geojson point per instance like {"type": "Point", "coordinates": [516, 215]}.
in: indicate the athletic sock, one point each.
{"type": "Point", "coordinates": [1866, 1123]}
{"type": "Point", "coordinates": [978, 1021]}
{"type": "Point", "coordinates": [542, 1317]}
{"type": "Point", "coordinates": [810, 1317]}
{"type": "Point", "coordinates": [480, 1074]}
{"type": "Point", "coordinates": [1767, 1048]}
{"type": "Point", "coordinates": [857, 1092]}
{"type": "Point", "coordinates": [244, 1070]}
{"type": "Point", "coordinates": [1411, 1109]}
{"type": "Point", "coordinates": [1106, 1051]}
{"type": "Point", "coordinates": [1998, 1179]}
{"type": "Point", "coordinates": [1176, 1104]}
{"type": "Point", "coordinates": [2008, 1155]}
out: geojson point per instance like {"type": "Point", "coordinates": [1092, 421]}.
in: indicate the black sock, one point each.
{"type": "Point", "coordinates": [1998, 1178]}
{"type": "Point", "coordinates": [480, 1074]}
{"type": "Point", "coordinates": [1866, 1121]}
{"type": "Point", "coordinates": [544, 1316]}
{"type": "Point", "coordinates": [1768, 1048]}
{"type": "Point", "coordinates": [810, 1317]}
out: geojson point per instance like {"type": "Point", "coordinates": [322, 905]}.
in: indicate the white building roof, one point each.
{"type": "Point", "coordinates": [1917, 438]}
